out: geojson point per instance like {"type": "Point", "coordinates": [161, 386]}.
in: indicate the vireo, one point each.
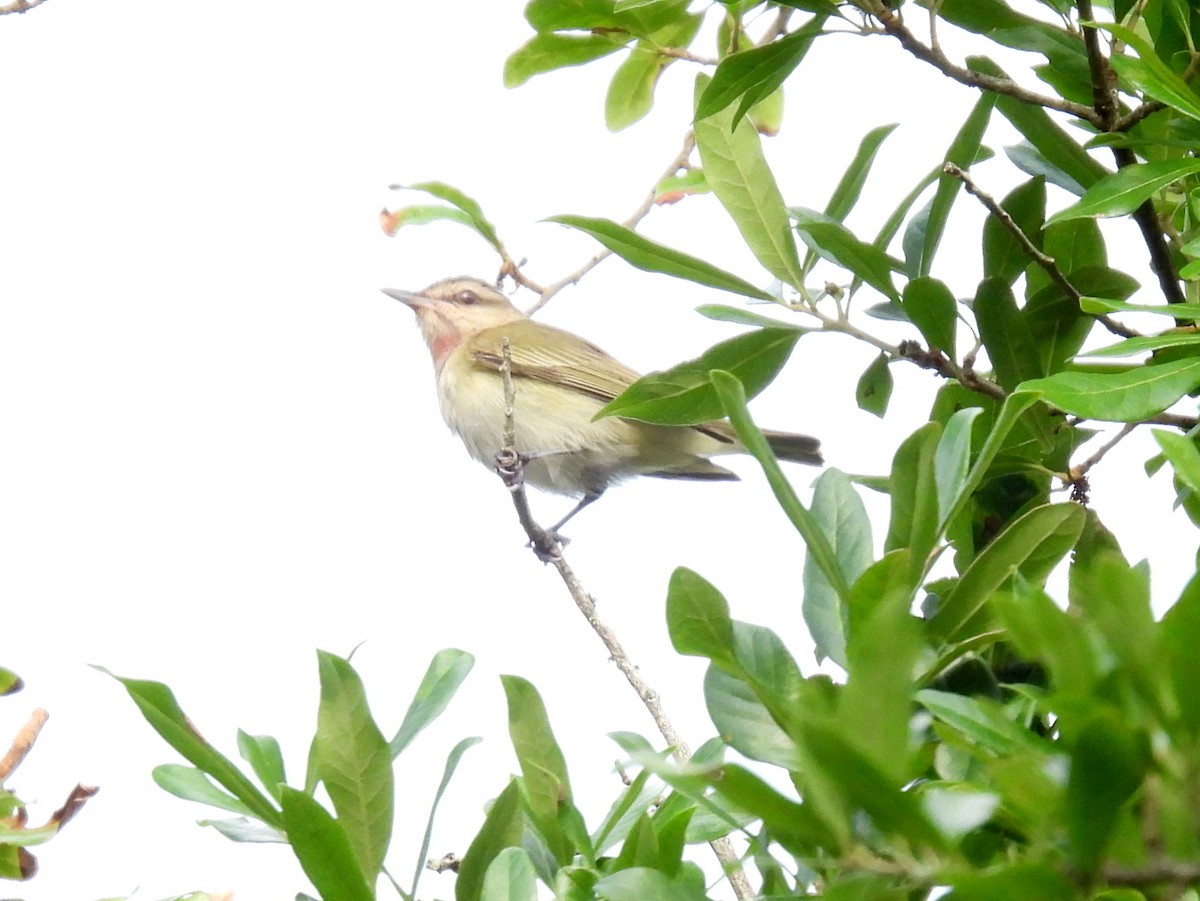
{"type": "Point", "coordinates": [561, 381]}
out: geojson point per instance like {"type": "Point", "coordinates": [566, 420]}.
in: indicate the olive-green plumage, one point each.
{"type": "Point", "coordinates": [561, 381]}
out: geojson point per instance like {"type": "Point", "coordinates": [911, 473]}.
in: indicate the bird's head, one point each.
{"type": "Point", "coordinates": [453, 310]}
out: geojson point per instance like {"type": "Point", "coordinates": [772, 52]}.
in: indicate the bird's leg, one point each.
{"type": "Point", "coordinates": [588, 498]}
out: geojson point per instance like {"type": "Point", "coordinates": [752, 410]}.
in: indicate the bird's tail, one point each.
{"type": "Point", "coordinates": [797, 448]}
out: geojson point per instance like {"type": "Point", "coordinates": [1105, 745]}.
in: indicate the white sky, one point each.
{"type": "Point", "coordinates": [221, 444]}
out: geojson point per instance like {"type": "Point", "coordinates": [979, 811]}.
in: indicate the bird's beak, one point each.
{"type": "Point", "coordinates": [408, 298]}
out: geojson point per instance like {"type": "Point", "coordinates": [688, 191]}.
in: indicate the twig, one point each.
{"type": "Point", "coordinates": [685, 54]}
{"type": "Point", "coordinates": [1047, 262]}
{"type": "Point", "coordinates": [1104, 95]}
{"type": "Point", "coordinates": [1149, 107]}
{"type": "Point", "coordinates": [509, 464]}
{"type": "Point", "coordinates": [1104, 99]}
{"type": "Point", "coordinates": [894, 26]}
{"type": "Point", "coordinates": [1077, 475]}
{"type": "Point", "coordinates": [545, 293]}
{"type": "Point", "coordinates": [22, 744]}
{"type": "Point", "coordinates": [19, 6]}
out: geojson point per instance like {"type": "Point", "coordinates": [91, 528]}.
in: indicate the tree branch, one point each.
{"type": "Point", "coordinates": [894, 26]}
{"type": "Point", "coordinates": [19, 6]}
{"type": "Point", "coordinates": [1048, 263]}
{"type": "Point", "coordinates": [547, 547]}
{"type": "Point", "coordinates": [1106, 118]}
{"type": "Point", "coordinates": [545, 293]}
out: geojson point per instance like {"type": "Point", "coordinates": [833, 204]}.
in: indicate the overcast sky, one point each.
{"type": "Point", "coordinates": [222, 448]}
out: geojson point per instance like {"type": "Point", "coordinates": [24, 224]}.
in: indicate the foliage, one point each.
{"type": "Point", "coordinates": [986, 738]}
{"type": "Point", "coordinates": [16, 835]}
{"type": "Point", "coordinates": [341, 852]}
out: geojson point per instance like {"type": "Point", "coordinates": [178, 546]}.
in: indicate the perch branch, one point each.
{"type": "Point", "coordinates": [547, 547]}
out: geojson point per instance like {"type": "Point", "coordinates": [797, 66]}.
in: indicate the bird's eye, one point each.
{"type": "Point", "coordinates": [467, 297]}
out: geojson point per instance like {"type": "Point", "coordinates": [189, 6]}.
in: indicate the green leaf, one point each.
{"type": "Point", "coordinates": [1005, 333]}
{"type": "Point", "coordinates": [1130, 396]}
{"type": "Point", "coordinates": [1021, 540]}
{"type": "Point", "coordinates": [510, 877]}
{"type": "Point", "coordinates": [1003, 256]}
{"type": "Point", "coordinates": [502, 828]}
{"type": "Point", "coordinates": [984, 722]}
{"type": "Point", "coordinates": [350, 756]}
{"type": "Point", "coordinates": [650, 256]}
{"type": "Point", "coordinates": [1144, 343]}
{"type": "Point", "coordinates": [962, 151]}
{"type": "Point", "coordinates": [1010, 411]}
{"type": "Point", "coordinates": [738, 174]}
{"type": "Point", "coordinates": [641, 883]}
{"type": "Point", "coordinates": [864, 786]}
{"type": "Point", "coordinates": [1127, 189]}
{"type": "Point", "coordinates": [265, 757]}
{"type": "Point", "coordinates": [638, 797]}
{"type": "Point", "coordinates": [547, 52]}
{"type": "Point", "coordinates": [875, 705]}
{"type": "Point", "coordinates": [744, 721]}
{"type": "Point", "coordinates": [1182, 311]}
{"type": "Point", "coordinates": [1107, 765]}
{"type": "Point", "coordinates": [468, 205]}
{"type": "Point", "coordinates": [1183, 454]}
{"type": "Point", "coordinates": [192, 784]}
{"type": "Point", "coordinates": [1027, 881]}
{"type": "Point", "coordinates": [874, 388]}
{"type": "Point", "coordinates": [849, 189]}
{"type": "Point", "coordinates": [445, 673]}
{"type": "Point", "coordinates": [1055, 146]}
{"type": "Point", "coordinates": [684, 394]}
{"type": "Point", "coordinates": [323, 848]}
{"type": "Point", "coordinates": [631, 92]}
{"type": "Point", "coordinates": [794, 825]}
{"type": "Point", "coordinates": [753, 74]}
{"type": "Point", "coordinates": [951, 462]}
{"type": "Point", "coordinates": [452, 760]}
{"type": "Point", "coordinates": [698, 618]}
{"type": "Point", "coordinates": [158, 705]}
{"type": "Point", "coordinates": [839, 513]}
{"type": "Point", "coordinates": [565, 15]}
{"type": "Point", "coordinates": [1149, 74]}
{"type": "Point", "coordinates": [837, 244]}
{"type": "Point", "coordinates": [423, 214]}
{"type": "Point", "coordinates": [742, 316]}
{"type": "Point", "coordinates": [10, 682]}
{"type": "Point", "coordinates": [915, 523]}
{"type": "Point", "coordinates": [933, 310]}
{"type": "Point", "coordinates": [543, 766]}
{"type": "Point", "coordinates": [1178, 630]}
{"type": "Point", "coordinates": [733, 400]}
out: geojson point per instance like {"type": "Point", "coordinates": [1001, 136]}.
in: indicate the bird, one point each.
{"type": "Point", "coordinates": [561, 381]}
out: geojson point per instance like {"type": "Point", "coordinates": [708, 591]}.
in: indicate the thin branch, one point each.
{"type": "Point", "coordinates": [510, 466]}
{"type": "Point", "coordinates": [1076, 477]}
{"type": "Point", "coordinates": [894, 26]}
{"type": "Point", "coordinates": [1106, 119]}
{"type": "Point", "coordinates": [19, 6]}
{"type": "Point", "coordinates": [545, 293]}
{"type": "Point", "coordinates": [1104, 94]}
{"type": "Point", "coordinates": [1048, 263]}
{"type": "Point", "coordinates": [22, 743]}
{"type": "Point", "coordinates": [685, 54]}
{"type": "Point", "coordinates": [1149, 107]}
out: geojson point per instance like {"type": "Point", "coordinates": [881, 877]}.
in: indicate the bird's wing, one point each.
{"type": "Point", "coordinates": [549, 354]}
